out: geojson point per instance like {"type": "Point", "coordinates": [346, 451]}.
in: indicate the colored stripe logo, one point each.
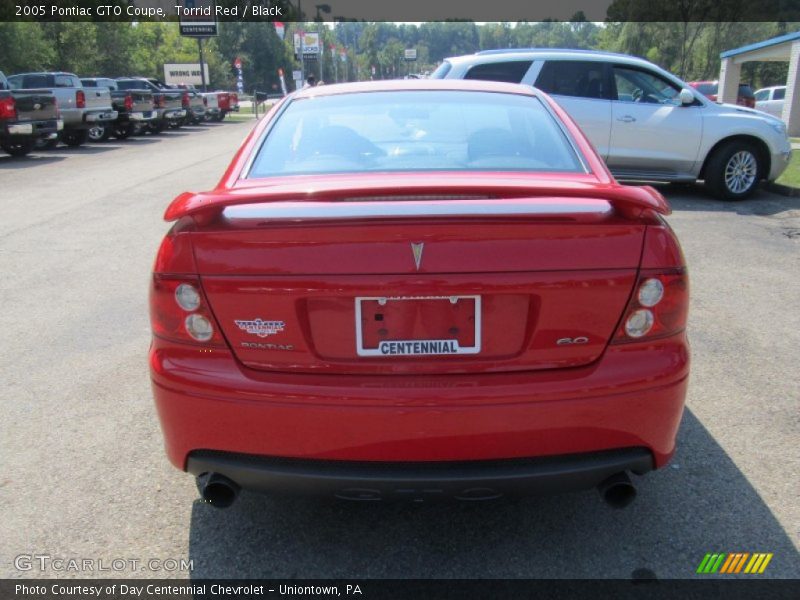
{"type": "Point", "coordinates": [734, 562]}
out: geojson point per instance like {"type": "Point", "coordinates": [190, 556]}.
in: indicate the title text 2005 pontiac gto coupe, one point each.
{"type": "Point", "coordinates": [419, 289]}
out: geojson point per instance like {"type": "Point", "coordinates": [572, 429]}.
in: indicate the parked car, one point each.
{"type": "Point", "coordinates": [770, 100]}
{"type": "Point", "coordinates": [167, 103]}
{"type": "Point", "coordinates": [418, 289]}
{"type": "Point", "coordinates": [193, 101]}
{"type": "Point", "coordinates": [218, 104]}
{"type": "Point", "coordinates": [647, 124]}
{"type": "Point", "coordinates": [134, 109]}
{"type": "Point", "coordinates": [25, 117]}
{"type": "Point", "coordinates": [80, 108]}
{"type": "Point", "coordinates": [710, 89]}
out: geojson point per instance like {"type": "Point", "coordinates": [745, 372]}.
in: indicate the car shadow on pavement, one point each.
{"type": "Point", "coordinates": [87, 148]}
{"type": "Point", "coordinates": [26, 162]}
{"type": "Point", "coordinates": [695, 198]}
{"type": "Point", "coordinates": [700, 503]}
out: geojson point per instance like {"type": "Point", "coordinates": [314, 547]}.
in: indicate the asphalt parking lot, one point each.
{"type": "Point", "coordinates": [84, 474]}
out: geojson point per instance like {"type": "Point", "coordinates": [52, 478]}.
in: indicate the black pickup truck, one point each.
{"type": "Point", "coordinates": [134, 110]}
{"type": "Point", "coordinates": [168, 103]}
{"type": "Point", "coordinates": [25, 117]}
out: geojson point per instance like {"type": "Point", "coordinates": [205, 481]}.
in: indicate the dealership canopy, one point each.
{"type": "Point", "coordinates": [783, 48]}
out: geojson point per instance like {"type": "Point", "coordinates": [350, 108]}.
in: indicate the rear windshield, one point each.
{"type": "Point", "coordinates": [31, 81]}
{"type": "Point", "coordinates": [707, 88]}
{"type": "Point", "coordinates": [746, 91]}
{"type": "Point", "coordinates": [415, 131]}
{"type": "Point", "coordinates": [131, 85]}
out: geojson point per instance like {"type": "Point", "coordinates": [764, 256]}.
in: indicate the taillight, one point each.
{"type": "Point", "coordinates": [185, 100]}
{"type": "Point", "coordinates": [158, 101]}
{"type": "Point", "coordinates": [658, 308]}
{"type": "Point", "coordinates": [129, 103]}
{"type": "Point", "coordinates": [8, 108]}
{"type": "Point", "coordinates": [80, 99]}
{"type": "Point", "coordinates": [179, 311]}
{"type": "Point", "coordinates": [205, 101]}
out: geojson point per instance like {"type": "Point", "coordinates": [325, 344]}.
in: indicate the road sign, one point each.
{"type": "Point", "coordinates": [237, 63]}
{"type": "Point", "coordinates": [410, 54]}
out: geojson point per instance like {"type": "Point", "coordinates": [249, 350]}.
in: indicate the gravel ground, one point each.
{"type": "Point", "coordinates": [84, 473]}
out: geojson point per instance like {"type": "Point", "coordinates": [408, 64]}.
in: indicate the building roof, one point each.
{"type": "Point", "coordinates": [760, 45]}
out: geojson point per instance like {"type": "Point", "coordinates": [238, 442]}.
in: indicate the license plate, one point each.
{"type": "Point", "coordinates": [396, 326]}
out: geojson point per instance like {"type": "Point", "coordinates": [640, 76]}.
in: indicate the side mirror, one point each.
{"type": "Point", "coordinates": [686, 97]}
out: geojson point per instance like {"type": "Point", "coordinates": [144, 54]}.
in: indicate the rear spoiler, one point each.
{"type": "Point", "coordinates": [334, 198]}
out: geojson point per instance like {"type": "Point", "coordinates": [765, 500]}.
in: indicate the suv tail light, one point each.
{"type": "Point", "coordinates": [129, 103]}
{"type": "Point", "coordinates": [179, 311]}
{"type": "Point", "coordinates": [185, 103]}
{"type": "Point", "coordinates": [8, 108]}
{"type": "Point", "coordinates": [158, 101]}
{"type": "Point", "coordinates": [205, 101]}
{"type": "Point", "coordinates": [658, 308]}
{"type": "Point", "coordinates": [80, 99]}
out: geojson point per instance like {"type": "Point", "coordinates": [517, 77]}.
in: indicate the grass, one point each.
{"type": "Point", "coordinates": [791, 176]}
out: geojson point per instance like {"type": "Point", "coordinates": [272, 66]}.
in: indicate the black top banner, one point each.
{"type": "Point", "coordinates": [401, 10]}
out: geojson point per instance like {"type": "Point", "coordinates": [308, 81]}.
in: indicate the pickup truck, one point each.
{"type": "Point", "coordinates": [80, 108]}
{"type": "Point", "coordinates": [25, 117]}
{"type": "Point", "coordinates": [193, 102]}
{"type": "Point", "coordinates": [134, 109]}
{"type": "Point", "coordinates": [219, 104]}
{"type": "Point", "coordinates": [167, 102]}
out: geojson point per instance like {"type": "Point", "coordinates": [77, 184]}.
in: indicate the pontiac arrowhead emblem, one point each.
{"type": "Point", "coordinates": [416, 250]}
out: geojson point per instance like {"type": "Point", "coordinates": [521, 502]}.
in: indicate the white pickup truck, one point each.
{"type": "Point", "coordinates": [81, 108]}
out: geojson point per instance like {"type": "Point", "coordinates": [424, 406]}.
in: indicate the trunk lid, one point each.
{"type": "Point", "coordinates": [97, 98]}
{"type": "Point", "coordinates": [142, 101]}
{"type": "Point", "coordinates": [403, 284]}
{"type": "Point", "coordinates": [35, 105]}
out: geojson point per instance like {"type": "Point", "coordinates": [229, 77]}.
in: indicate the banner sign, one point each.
{"type": "Point", "coordinates": [310, 44]}
{"type": "Point", "coordinates": [188, 73]}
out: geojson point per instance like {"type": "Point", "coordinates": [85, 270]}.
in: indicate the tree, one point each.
{"type": "Point", "coordinates": [24, 47]}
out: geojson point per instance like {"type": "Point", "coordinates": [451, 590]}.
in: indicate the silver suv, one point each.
{"type": "Point", "coordinates": [646, 123]}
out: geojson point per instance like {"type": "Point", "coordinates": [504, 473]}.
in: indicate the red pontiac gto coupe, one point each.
{"type": "Point", "coordinates": [419, 289]}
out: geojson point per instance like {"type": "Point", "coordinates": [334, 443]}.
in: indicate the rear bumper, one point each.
{"type": "Point", "coordinates": [100, 116]}
{"type": "Point", "coordinates": [177, 113]}
{"type": "Point", "coordinates": [34, 128]}
{"type": "Point", "coordinates": [140, 116]}
{"type": "Point", "coordinates": [466, 480]}
{"type": "Point", "coordinates": [632, 397]}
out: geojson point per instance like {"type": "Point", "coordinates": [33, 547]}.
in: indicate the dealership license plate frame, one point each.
{"type": "Point", "coordinates": [460, 350]}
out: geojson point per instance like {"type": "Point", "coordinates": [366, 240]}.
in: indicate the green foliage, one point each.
{"type": "Point", "coordinates": [685, 44]}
